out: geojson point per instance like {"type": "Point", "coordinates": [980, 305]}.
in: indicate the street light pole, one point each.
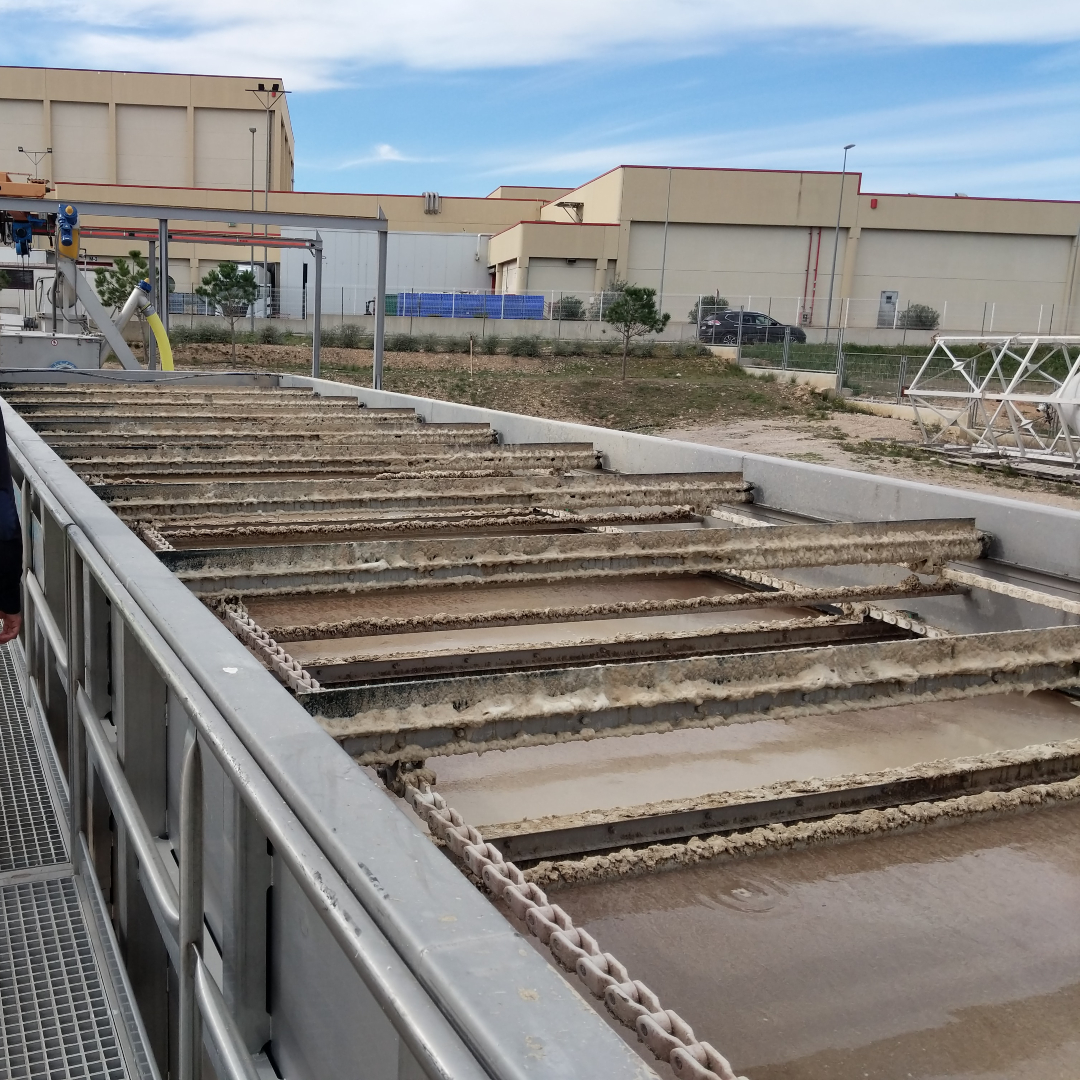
{"type": "Point", "coordinates": [252, 130]}
{"type": "Point", "coordinates": [268, 98]}
{"type": "Point", "coordinates": [836, 244]}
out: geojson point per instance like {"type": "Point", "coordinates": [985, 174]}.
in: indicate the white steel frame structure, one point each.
{"type": "Point", "coordinates": [1017, 396]}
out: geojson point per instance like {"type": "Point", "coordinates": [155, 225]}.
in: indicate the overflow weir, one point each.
{"type": "Point", "coordinates": [360, 726]}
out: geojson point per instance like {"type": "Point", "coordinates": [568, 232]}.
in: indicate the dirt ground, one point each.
{"type": "Point", "coordinates": [698, 399]}
{"type": "Point", "coordinates": [864, 442]}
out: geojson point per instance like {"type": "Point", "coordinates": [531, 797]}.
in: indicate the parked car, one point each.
{"type": "Point", "coordinates": [722, 328]}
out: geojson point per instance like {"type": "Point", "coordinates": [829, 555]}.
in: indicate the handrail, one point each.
{"type": "Point", "coordinates": [219, 1028]}
{"type": "Point", "coordinates": [375, 901]}
{"type": "Point", "coordinates": [418, 1021]}
{"type": "Point", "coordinates": [48, 623]}
{"type": "Point", "coordinates": [161, 892]}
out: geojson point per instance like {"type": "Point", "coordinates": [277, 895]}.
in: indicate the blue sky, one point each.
{"type": "Point", "coordinates": [460, 96]}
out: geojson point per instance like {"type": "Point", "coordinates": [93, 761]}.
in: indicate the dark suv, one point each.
{"type": "Point", "coordinates": [722, 328]}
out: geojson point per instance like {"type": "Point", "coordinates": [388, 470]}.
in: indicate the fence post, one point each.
{"type": "Point", "coordinates": [901, 379]}
{"type": "Point", "coordinates": [738, 339]}
{"type": "Point", "coordinates": [840, 362]}
{"type": "Point", "coordinates": [787, 347]}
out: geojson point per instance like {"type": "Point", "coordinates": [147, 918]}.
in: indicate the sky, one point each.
{"type": "Point", "coordinates": [459, 96]}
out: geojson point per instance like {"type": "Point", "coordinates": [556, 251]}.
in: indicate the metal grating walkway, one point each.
{"type": "Point", "coordinates": [30, 833]}
{"type": "Point", "coordinates": [58, 991]}
{"type": "Point", "coordinates": [55, 1019]}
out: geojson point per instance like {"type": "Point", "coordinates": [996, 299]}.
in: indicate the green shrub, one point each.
{"type": "Point", "coordinates": [428, 343]}
{"type": "Point", "coordinates": [706, 307]}
{"type": "Point", "coordinates": [269, 334]}
{"type": "Point", "coordinates": [565, 348]}
{"type": "Point", "coordinates": [199, 334]}
{"type": "Point", "coordinates": [400, 343]}
{"type": "Point", "coordinates": [607, 347]}
{"type": "Point", "coordinates": [919, 317]}
{"type": "Point", "coordinates": [354, 337]}
{"type": "Point", "coordinates": [491, 344]}
{"type": "Point", "coordinates": [526, 345]}
{"type": "Point", "coordinates": [568, 309]}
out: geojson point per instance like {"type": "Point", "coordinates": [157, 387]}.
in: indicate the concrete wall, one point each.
{"type": "Point", "coordinates": [1015, 273]}
{"type": "Point", "coordinates": [737, 260]}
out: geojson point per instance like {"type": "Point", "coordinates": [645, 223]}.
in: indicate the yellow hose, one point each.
{"type": "Point", "coordinates": [162, 339]}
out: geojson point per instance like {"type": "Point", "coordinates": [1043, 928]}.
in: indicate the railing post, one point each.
{"type": "Point", "coordinates": [901, 380]}
{"type": "Point", "coordinates": [76, 658]}
{"type": "Point", "coordinates": [787, 347]}
{"type": "Point", "coordinates": [191, 907]}
{"type": "Point", "coordinates": [26, 512]}
{"type": "Point", "coordinates": [138, 714]}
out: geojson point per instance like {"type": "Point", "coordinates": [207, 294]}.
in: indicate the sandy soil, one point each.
{"type": "Point", "coordinates": [830, 442]}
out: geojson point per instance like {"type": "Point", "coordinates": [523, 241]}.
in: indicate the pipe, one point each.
{"type": "Point", "coordinates": [140, 300]}
{"type": "Point", "coordinates": [162, 339]}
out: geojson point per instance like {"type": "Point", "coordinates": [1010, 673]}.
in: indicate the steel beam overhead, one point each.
{"type": "Point", "coordinates": [203, 213]}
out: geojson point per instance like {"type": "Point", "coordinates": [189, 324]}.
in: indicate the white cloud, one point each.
{"type": "Point", "coordinates": [997, 144]}
{"type": "Point", "coordinates": [320, 42]}
{"type": "Point", "coordinates": [380, 154]}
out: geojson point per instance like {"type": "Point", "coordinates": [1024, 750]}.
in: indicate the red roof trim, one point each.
{"type": "Point", "coordinates": [572, 224]}
{"type": "Point", "coordinates": [124, 71]}
{"type": "Point", "coordinates": [293, 191]}
{"type": "Point", "coordinates": [967, 198]}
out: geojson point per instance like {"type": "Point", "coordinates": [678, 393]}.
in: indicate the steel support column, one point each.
{"type": "Point", "coordinates": [380, 311]}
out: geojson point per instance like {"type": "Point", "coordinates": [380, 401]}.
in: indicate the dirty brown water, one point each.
{"type": "Point", "coordinates": [566, 633]}
{"type": "Point", "coordinates": [300, 608]}
{"type": "Point", "coordinates": [951, 954]}
{"type": "Point", "coordinates": [571, 778]}
{"type": "Point", "coordinates": [344, 534]}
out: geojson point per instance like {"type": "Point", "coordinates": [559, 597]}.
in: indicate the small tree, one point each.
{"type": "Point", "coordinates": [633, 313]}
{"type": "Point", "coordinates": [114, 287]}
{"type": "Point", "coordinates": [706, 307]}
{"type": "Point", "coordinates": [233, 291]}
{"type": "Point", "coordinates": [568, 309]}
{"type": "Point", "coordinates": [918, 317]}
{"type": "Point", "coordinates": [599, 302]}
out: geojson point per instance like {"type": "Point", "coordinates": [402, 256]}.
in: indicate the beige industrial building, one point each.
{"type": "Point", "coordinates": [765, 239]}
{"type": "Point", "coordinates": [760, 238]}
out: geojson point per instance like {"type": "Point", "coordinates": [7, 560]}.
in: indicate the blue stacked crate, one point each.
{"type": "Point", "coordinates": [469, 305]}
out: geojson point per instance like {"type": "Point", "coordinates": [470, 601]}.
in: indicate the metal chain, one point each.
{"type": "Point", "coordinates": [290, 671]}
{"type": "Point", "coordinates": [665, 1033]}
{"type": "Point", "coordinates": [148, 533]}
{"type": "Point", "coordinates": [871, 611]}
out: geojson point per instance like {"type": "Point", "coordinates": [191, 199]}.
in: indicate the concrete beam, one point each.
{"type": "Point", "coordinates": [412, 720]}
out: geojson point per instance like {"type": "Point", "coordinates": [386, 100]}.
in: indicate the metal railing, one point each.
{"type": "Point", "coordinates": [97, 778]}
{"type": "Point", "coordinates": [220, 824]}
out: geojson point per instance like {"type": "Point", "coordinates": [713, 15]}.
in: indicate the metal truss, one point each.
{"type": "Point", "coordinates": [1009, 396]}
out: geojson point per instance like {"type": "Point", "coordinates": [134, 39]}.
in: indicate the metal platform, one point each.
{"type": "Point", "coordinates": [60, 997]}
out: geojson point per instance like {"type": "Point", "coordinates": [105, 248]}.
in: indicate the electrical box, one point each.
{"type": "Point", "coordinates": [40, 349]}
